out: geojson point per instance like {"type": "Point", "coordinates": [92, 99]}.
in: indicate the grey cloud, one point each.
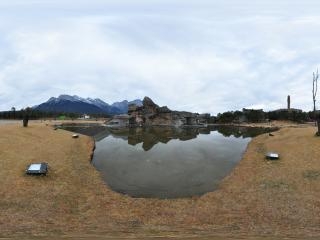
{"type": "Point", "coordinates": [185, 58]}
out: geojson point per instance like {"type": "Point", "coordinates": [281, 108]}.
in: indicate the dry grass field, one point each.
{"type": "Point", "coordinates": [259, 198]}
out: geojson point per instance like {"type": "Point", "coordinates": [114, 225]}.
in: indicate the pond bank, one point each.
{"type": "Point", "coordinates": [279, 198]}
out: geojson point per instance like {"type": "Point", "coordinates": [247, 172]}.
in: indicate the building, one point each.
{"type": "Point", "coordinates": [84, 116]}
{"type": "Point", "coordinates": [288, 109]}
{"type": "Point", "coordinates": [288, 113]}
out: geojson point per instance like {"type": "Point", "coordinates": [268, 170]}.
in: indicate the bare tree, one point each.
{"type": "Point", "coordinates": [314, 95]}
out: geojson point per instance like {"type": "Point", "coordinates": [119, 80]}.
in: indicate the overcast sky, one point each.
{"type": "Point", "coordinates": [202, 56]}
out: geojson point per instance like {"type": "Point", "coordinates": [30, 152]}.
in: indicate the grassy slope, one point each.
{"type": "Point", "coordinates": [257, 198]}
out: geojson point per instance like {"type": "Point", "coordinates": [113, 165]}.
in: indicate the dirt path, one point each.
{"type": "Point", "coordinates": [259, 198]}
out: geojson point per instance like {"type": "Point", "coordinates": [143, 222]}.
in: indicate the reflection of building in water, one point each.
{"type": "Point", "coordinates": [150, 114]}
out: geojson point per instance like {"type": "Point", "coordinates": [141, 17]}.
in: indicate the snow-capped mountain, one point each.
{"type": "Point", "coordinates": [123, 106]}
{"type": "Point", "coordinates": [76, 104]}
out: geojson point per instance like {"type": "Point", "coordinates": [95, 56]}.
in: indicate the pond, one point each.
{"type": "Point", "coordinates": [165, 162]}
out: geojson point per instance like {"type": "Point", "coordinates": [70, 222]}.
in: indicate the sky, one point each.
{"type": "Point", "coordinates": [198, 55]}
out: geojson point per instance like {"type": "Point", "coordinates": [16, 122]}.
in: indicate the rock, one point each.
{"type": "Point", "coordinates": [147, 102]}
{"type": "Point", "coordinates": [150, 114]}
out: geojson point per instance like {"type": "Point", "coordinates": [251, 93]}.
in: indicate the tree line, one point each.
{"type": "Point", "coordinates": [256, 116]}
{"type": "Point", "coordinates": [36, 114]}
{"type": "Point", "coordinates": [247, 115]}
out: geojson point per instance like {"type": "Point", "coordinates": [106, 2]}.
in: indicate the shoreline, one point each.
{"type": "Point", "coordinates": [258, 198]}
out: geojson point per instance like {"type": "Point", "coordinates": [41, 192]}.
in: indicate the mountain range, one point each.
{"type": "Point", "coordinates": [76, 104]}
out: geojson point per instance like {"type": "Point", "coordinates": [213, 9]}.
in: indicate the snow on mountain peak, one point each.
{"type": "Point", "coordinates": [73, 98]}
{"type": "Point", "coordinates": [117, 107]}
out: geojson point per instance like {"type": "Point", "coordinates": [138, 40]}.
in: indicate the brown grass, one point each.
{"type": "Point", "coordinates": [260, 197]}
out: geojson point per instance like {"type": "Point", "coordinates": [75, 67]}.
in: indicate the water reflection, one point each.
{"type": "Point", "coordinates": [166, 162]}
{"type": "Point", "coordinates": [243, 132]}
{"type": "Point", "coordinates": [149, 137]}
{"type": "Point", "coordinates": [154, 135]}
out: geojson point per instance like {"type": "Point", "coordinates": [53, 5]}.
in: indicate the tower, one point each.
{"type": "Point", "coordinates": [288, 101]}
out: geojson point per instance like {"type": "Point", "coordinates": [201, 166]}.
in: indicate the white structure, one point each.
{"type": "Point", "coordinates": [85, 116]}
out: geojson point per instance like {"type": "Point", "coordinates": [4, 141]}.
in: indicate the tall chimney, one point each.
{"type": "Point", "coordinates": [288, 101]}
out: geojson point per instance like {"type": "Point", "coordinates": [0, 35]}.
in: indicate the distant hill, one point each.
{"type": "Point", "coordinates": [76, 104]}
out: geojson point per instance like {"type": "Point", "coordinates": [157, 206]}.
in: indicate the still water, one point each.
{"type": "Point", "coordinates": [164, 162]}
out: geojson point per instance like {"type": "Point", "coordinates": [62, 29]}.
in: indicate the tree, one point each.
{"type": "Point", "coordinates": [314, 95]}
{"type": "Point", "coordinates": [13, 109]}
{"type": "Point", "coordinates": [26, 116]}
{"type": "Point", "coordinates": [314, 92]}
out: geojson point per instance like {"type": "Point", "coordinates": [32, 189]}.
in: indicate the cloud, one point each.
{"type": "Point", "coordinates": [185, 59]}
